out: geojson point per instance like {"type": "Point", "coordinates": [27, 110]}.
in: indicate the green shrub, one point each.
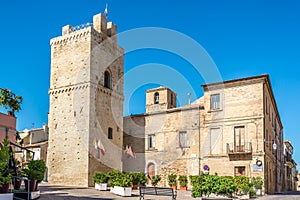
{"type": "Point", "coordinates": [100, 177]}
{"type": "Point", "coordinates": [183, 181]}
{"type": "Point", "coordinates": [5, 172]}
{"type": "Point", "coordinates": [257, 182]}
{"type": "Point", "coordinates": [207, 184]}
{"type": "Point", "coordinates": [243, 184]}
{"type": "Point", "coordinates": [117, 178]}
{"type": "Point", "coordinates": [35, 170]}
{"type": "Point", "coordinates": [138, 178]}
{"type": "Point", "coordinates": [114, 176]}
{"type": "Point", "coordinates": [155, 180]}
{"type": "Point", "coordinates": [252, 193]}
{"type": "Point", "coordinates": [193, 179]}
{"type": "Point", "coordinates": [172, 179]}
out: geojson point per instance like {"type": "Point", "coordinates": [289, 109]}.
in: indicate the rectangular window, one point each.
{"type": "Point", "coordinates": [151, 141]}
{"type": "Point", "coordinates": [183, 142]}
{"type": "Point", "coordinates": [215, 102]}
{"type": "Point", "coordinates": [239, 171]}
{"type": "Point", "coordinates": [215, 141]}
{"type": "Point", "coordinates": [239, 138]}
{"type": "Point", "coordinates": [110, 133]}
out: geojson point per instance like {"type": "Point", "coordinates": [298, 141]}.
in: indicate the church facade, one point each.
{"type": "Point", "coordinates": [233, 130]}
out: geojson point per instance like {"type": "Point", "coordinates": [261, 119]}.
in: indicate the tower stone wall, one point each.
{"type": "Point", "coordinates": [85, 115]}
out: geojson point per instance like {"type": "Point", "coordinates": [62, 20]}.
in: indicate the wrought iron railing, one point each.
{"type": "Point", "coordinates": [239, 148]}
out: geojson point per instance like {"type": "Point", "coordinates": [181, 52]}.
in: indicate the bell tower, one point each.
{"type": "Point", "coordinates": [160, 99]}
{"type": "Point", "coordinates": [86, 103]}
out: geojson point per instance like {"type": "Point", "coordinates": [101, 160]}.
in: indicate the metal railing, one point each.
{"type": "Point", "coordinates": [233, 148]}
{"type": "Point", "coordinates": [81, 26]}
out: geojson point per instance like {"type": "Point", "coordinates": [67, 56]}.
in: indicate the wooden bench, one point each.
{"type": "Point", "coordinates": [159, 191]}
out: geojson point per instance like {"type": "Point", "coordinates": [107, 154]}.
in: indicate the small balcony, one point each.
{"type": "Point", "coordinates": [245, 148]}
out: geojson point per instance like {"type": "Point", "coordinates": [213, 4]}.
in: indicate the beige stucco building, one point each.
{"type": "Point", "coordinates": [236, 123]}
{"type": "Point", "coordinates": [34, 140]}
{"type": "Point", "coordinates": [234, 129]}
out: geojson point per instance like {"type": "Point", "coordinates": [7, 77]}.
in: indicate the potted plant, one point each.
{"type": "Point", "coordinates": [17, 180]}
{"type": "Point", "coordinates": [138, 179]}
{"type": "Point", "coordinates": [100, 179]}
{"type": "Point", "coordinates": [142, 179]}
{"type": "Point", "coordinates": [172, 181]}
{"type": "Point", "coordinates": [257, 184]}
{"type": "Point", "coordinates": [5, 172]}
{"type": "Point", "coordinates": [122, 185]}
{"type": "Point", "coordinates": [243, 186]}
{"type": "Point", "coordinates": [112, 177]}
{"type": "Point", "coordinates": [34, 171]}
{"type": "Point", "coordinates": [183, 181]}
{"type": "Point", "coordinates": [155, 180]}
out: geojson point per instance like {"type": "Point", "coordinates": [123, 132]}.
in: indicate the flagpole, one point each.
{"type": "Point", "coordinates": [106, 11]}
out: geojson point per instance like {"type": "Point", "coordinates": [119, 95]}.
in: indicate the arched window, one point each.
{"type": "Point", "coordinates": [107, 80]}
{"type": "Point", "coordinates": [156, 98]}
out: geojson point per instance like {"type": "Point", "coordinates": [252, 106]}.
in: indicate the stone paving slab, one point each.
{"type": "Point", "coordinates": [49, 192]}
{"type": "Point", "coordinates": [69, 193]}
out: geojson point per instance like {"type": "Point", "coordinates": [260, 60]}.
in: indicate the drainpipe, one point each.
{"type": "Point", "coordinates": [199, 158]}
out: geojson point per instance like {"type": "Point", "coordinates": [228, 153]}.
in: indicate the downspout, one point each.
{"type": "Point", "coordinates": [199, 157]}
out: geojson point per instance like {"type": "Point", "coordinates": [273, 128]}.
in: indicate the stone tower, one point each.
{"type": "Point", "coordinates": [159, 99]}
{"type": "Point", "coordinates": [86, 103]}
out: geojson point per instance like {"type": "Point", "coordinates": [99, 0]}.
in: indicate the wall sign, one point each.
{"type": "Point", "coordinates": [257, 168]}
{"type": "Point", "coordinates": [259, 163]}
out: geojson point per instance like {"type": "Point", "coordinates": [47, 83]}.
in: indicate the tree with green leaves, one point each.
{"type": "Point", "coordinates": [9, 100]}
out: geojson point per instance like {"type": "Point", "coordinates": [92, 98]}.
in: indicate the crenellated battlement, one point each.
{"type": "Point", "coordinates": [100, 27]}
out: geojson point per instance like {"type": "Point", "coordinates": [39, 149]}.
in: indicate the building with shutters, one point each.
{"type": "Point", "coordinates": [236, 123]}
{"type": "Point", "coordinates": [233, 130]}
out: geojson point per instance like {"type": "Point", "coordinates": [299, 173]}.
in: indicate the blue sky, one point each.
{"type": "Point", "coordinates": [244, 38]}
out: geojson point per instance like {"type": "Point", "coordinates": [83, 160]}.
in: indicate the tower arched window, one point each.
{"type": "Point", "coordinates": [107, 81]}
{"type": "Point", "coordinates": [156, 98]}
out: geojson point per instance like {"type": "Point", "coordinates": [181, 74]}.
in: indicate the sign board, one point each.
{"type": "Point", "coordinates": [257, 168]}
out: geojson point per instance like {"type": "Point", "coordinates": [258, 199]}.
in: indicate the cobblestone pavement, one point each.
{"type": "Point", "coordinates": [69, 193]}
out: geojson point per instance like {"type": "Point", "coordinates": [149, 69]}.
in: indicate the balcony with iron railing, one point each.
{"type": "Point", "coordinates": [245, 148]}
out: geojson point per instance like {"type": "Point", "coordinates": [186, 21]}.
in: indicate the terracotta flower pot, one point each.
{"type": "Point", "coordinates": [183, 188]}
{"type": "Point", "coordinates": [134, 186]}
{"type": "Point", "coordinates": [173, 187]}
